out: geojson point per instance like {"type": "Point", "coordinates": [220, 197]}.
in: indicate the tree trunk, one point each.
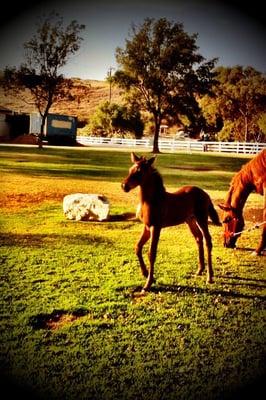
{"type": "Point", "coordinates": [246, 128]}
{"type": "Point", "coordinates": [156, 149]}
{"type": "Point", "coordinates": [39, 141]}
{"type": "Point", "coordinates": [40, 136]}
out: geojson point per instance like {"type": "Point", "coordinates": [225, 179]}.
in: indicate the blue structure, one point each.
{"type": "Point", "coordinates": [61, 129]}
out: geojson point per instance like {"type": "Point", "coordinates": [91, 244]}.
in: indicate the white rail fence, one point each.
{"type": "Point", "coordinates": [173, 145]}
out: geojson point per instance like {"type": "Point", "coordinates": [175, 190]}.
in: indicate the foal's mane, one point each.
{"type": "Point", "coordinates": [153, 186]}
{"type": "Point", "coordinates": [157, 179]}
{"type": "Point", "coordinates": [156, 174]}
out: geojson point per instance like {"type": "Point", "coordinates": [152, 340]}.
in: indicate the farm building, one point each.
{"type": "Point", "coordinates": [12, 124]}
{"type": "Point", "coordinates": [4, 125]}
{"type": "Point", "coordinates": [59, 129]}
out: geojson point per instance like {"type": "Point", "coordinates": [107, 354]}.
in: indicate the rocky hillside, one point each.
{"type": "Point", "coordinates": [82, 107]}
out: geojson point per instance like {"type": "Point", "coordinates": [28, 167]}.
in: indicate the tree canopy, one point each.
{"type": "Point", "coordinates": [162, 69]}
{"type": "Point", "coordinates": [240, 100]}
{"type": "Point", "coordinates": [111, 119]}
{"type": "Point", "coordinates": [45, 54]}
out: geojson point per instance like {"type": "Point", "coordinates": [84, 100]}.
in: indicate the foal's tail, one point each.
{"type": "Point", "coordinates": [213, 214]}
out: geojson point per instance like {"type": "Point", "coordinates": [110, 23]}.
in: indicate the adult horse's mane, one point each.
{"type": "Point", "coordinates": [252, 175]}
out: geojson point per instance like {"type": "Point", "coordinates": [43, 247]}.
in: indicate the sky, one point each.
{"type": "Point", "coordinates": [226, 29]}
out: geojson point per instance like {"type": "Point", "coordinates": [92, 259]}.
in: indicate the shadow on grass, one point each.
{"type": "Point", "coordinates": [241, 278]}
{"type": "Point", "coordinates": [244, 281]}
{"type": "Point", "coordinates": [198, 290]}
{"type": "Point", "coordinates": [127, 216]}
{"type": "Point", "coordinates": [102, 173]}
{"type": "Point", "coordinates": [38, 240]}
{"type": "Point", "coordinates": [192, 290]}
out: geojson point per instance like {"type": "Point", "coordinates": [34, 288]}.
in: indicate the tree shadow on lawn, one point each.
{"type": "Point", "coordinates": [92, 173]}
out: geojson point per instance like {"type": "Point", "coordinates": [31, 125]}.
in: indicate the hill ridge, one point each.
{"type": "Point", "coordinates": [82, 107]}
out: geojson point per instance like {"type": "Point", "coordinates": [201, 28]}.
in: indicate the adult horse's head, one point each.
{"type": "Point", "coordinates": [233, 223]}
{"type": "Point", "coordinates": [137, 172]}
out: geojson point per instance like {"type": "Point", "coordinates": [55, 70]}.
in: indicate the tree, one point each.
{"type": "Point", "coordinates": [261, 123]}
{"type": "Point", "coordinates": [113, 119]}
{"type": "Point", "coordinates": [240, 99]}
{"type": "Point", "coordinates": [162, 69]}
{"type": "Point", "coordinates": [47, 52]}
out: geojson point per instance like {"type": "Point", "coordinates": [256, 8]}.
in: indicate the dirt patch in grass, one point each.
{"type": "Point", "coordinates": [25, 139]}
{"type": "Point", "coordinates": [57, 319]}
{"type": "Point", "coordinates": [23, 200]}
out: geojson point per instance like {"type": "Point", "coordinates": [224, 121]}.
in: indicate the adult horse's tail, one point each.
{"type": "Point", "coordinates": [213, 214]}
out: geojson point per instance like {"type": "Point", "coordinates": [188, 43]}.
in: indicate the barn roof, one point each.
{"type": "Point", "coordinates": [4, 110]}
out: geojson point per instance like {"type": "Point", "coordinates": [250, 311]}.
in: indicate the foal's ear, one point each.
{"type": "Point", "coordinates": [151, 160]}
{"type": "Point", "coordinates": [225, 207]}
{"type": "Point", "coordinates": [134, 157]}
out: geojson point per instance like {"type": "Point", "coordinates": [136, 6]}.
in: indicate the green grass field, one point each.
{"type": "Point", "coordinates": [72, 323]}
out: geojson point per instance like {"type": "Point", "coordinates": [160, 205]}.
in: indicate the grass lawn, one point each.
{"type": "Point", "coordinates": [72, 323]}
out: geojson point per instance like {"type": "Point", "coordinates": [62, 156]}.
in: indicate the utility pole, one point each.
{"type": "Point", "coordinates": [109, 74]}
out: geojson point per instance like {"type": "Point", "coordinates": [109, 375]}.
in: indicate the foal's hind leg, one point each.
{"type": "Point", "coordinates": [262, 243]}
{"type": "Point", "coordinates": [138, 249]}
{"type": "Point", "coordinates": [196, 232]}
{"type": "Point", "coordinates": [204, 227]}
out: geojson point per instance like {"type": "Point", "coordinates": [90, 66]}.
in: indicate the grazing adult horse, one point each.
{"type": "Point", "coordinates": [160, 209]}
{"type": "Point", "coordinates": [251, 177]}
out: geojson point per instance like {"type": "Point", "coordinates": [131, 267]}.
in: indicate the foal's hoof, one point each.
{"type": "Point", "coordinates": [259, 253]}
{"type": "Point", "coordinates": [138, 295]}
{"type": "Point", "coordinates": [144, 291]}
{"type": "Point", "coordinates": [210, 280]}
{"type": "Point", "coordinates": [199, 272]}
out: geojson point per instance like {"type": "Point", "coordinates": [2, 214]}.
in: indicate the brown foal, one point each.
{"type": "Point", "coordinates": [160, 209]}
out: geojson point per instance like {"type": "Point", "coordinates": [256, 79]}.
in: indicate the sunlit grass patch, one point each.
{"type": "Point", "coordinates": [73, 324]}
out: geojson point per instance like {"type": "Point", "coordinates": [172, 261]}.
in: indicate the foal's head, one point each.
{"type": "Point", "coordinates": [138, 172]}
{"type": "Point", "coordinates": [233, 222]}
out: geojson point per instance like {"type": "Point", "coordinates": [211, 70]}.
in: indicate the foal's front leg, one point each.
{"type": "Point", "coordinates": [138, 249]}
{"type": "Point", "coordinates": [155, 235]}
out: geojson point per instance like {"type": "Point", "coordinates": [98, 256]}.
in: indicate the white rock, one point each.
{"type": "Point", "coordinates": [86, 207]}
